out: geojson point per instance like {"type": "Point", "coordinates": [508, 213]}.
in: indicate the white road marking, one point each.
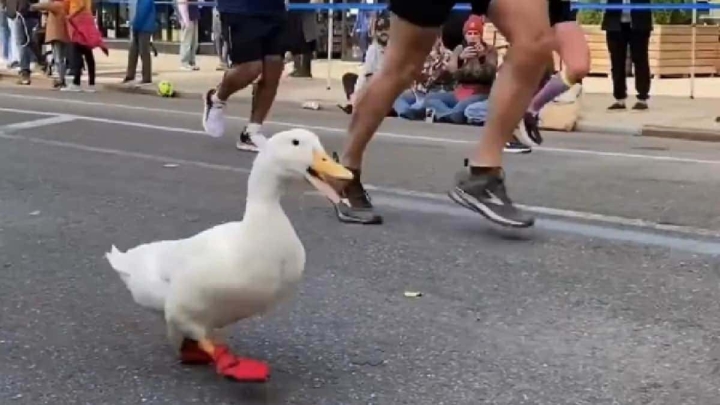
{"type": "Point", "coordinates": [419, 196]}
{"type": "Point", "coordinates": [42, 122]}
{"type": "Point", "coordinates": [72, 117]}
{"type": "Point", "coordinates": [124, 153]}
{"type": "Point", "coordinates": [340, 131]}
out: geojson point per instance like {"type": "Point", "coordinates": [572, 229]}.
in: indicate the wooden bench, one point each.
{"type": "Point", "coordinates": [669, 51]}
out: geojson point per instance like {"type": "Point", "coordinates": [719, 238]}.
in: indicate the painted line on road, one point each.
{"type": "Point", "coordinates": [73, 117]}
{"type": "Point", "coordinates": [335, 130]}
{"type": "Point", "coordinates": [41, 122]}
{"type": "Point", "coordinates": [124, 153]}
{"type": "Point", "coordinates": [691, 245]}
{"type": "Point", "coordinates": [562, 213]}
{"type": "Point", "coordinates": [419, 201]}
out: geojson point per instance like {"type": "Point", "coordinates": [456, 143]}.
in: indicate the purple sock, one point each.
{"type": "Point", "coordinates": [553, 88]}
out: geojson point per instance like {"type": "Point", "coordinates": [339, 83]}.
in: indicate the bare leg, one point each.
{"type": "Point", "coordinates": [572, 46]}
{"type": "Point", "coordinates": [407, 49]}
{"type": "Point", "coordinates": [526, 25]}
{"type": "Point", "coordinates": [575, 54]}
{"type": "Point", "coordinates": [234, 80]}
{"type": "Point", "coordinates": [266, 89]}
{"type": "Point", "coordinates": [237, 78]}
{"type": "Point", "coordinates": [405, 55]}
{"type": "Point", "coordinates": [574, 50]}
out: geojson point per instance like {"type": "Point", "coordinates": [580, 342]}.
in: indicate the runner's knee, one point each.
{"type": "Point", "coordinates": [252, 69]}
{"type": "Point", "coordinates": [403, 73]}
{"type": "Point", "coordinates": [533, 46]}
{"type": "Point", "coordinates": [576, 68]}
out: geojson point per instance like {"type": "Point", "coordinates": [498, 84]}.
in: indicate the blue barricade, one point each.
{"type": "Point", "coordinates": [465, 7]}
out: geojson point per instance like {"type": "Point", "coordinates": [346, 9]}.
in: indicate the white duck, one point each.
{"type": "Point", "coordinates": [234, 270]}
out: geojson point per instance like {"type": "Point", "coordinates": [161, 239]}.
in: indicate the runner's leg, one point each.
{"type": "Point", "coordinates": [266, 89]}
{"type": "Point", "coordinates": [414, 28]}
{"type": "Point", "coordinates": [246, 55]}
{"type": "Point", "coordinates": [573, 48]}
{"type": "Point", "coordinates": [526, 25]}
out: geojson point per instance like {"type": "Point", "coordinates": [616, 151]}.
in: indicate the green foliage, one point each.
{"type": "Point", "coordinates": [672, 16]}
{"type": "Point", "coordinates": [590, 17]}
{"type": "Point", "coordinates": [679, 17]}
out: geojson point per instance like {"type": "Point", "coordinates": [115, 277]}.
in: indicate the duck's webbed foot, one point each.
{"type": "Point", "coordinates": [235, 368]}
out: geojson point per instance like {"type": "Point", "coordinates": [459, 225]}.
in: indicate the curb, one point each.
{"type": "Point", "coordinates": [627, 130]}
{"type": "Point", "coordinates": [689, 134]}
{"type": "Point", "coordinates": [193, 95]}
{"type": "Point", "coordinates": [40, 81]}
{"type": "Point", "coordinates": [652, 131]}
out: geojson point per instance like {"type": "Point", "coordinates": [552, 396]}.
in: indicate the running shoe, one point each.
{"type": "Point", "coordinates": [213, 115]}
{"type": "Point", "coordinates": [528, 131]}
{"type": "Point", "coordinates": [245, 142]}
{"type": "Point", "coordinates": [485, 194]}
{"type": "Point", "coordinates": [351, 201]}
{"type": "Point", "coordinates": [516, 146]}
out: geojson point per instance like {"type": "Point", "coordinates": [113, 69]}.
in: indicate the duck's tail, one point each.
{"type": "Point", "coordinates": [117, 260]}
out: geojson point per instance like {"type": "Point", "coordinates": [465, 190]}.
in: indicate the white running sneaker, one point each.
{"type": "Point", "coordinates": [213, 116]}
{"type": "Point", "coordinates": [73, 88]}
{"type": "Point", "coordinates": [248, 142]}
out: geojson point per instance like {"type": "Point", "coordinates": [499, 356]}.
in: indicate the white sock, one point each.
{"type": "Point", "coordinates": [216, 100]}
{"type": "Point", "coordinates": [253, 128]}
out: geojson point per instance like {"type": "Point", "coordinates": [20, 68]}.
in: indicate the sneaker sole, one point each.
{"type": "Point", "coordinates": [376, 219]}
{"type": "Point", "coordinates": [243, 147]}
{"type": "Point", "coordinates": [458, 197]}
{"type": "Point", "coordinates": [206, 108]}
{"type": "Point", "coordinates": [518, 151]}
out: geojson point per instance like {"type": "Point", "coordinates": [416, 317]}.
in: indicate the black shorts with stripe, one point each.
{"type": "Point", "coordinates": [253, 38]}
{"type": "Point", "coordinates": [434, 13]}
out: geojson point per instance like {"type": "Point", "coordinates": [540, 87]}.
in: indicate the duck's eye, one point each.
{"type": "Point", "coordinates": [296, 142]}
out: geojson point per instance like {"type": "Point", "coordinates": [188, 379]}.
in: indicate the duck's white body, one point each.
{"type": "Point", "coordinates": [226, 273]}
{"type": "Point", "coordinates": [217, 277]}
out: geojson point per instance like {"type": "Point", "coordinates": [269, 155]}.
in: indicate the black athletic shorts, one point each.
{"type": "Point", "coordinates": [560, 12]}
{"type": "Point", "coordinates": [434, 13]}
{"type": "Point", "coordinates": [251, 38]}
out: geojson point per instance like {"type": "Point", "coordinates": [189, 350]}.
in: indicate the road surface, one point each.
{"type": "Point", "coordinates": [611, 299]}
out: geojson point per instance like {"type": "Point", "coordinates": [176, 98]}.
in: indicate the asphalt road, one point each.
{"type": "Point", "coordinates": [611, 299]}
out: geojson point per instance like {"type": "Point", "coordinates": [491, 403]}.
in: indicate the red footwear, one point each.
{"type": "Point", "coordinates": [240, 369]}
{"type": "Point", "coordinates": [191, 353]}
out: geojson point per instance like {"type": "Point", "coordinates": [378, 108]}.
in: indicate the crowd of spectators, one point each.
{"type": "Point", "coordinates": [453, 86]}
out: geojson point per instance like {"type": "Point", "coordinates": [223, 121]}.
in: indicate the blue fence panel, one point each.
{"type": "Point", "coordinates": [465, 7]}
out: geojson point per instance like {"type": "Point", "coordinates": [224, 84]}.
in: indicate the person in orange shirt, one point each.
{"type": "Point", "coordinates": [79, 52]}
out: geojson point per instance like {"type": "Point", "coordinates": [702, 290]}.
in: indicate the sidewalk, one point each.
{"type": "Point", "coordinates": [672, 113]}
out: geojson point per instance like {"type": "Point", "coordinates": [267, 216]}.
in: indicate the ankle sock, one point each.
{"type": "Point", "coordinates": [253, 128]}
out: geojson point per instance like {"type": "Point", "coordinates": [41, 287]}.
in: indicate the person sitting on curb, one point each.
{"type": "Point", "coordinates": [476, 114]}
{"type": "Point", "coordinates": [474, 64]}
{"type": "Point", "coordinates": [352, 83]}
{"type": "Point", "coordinates": [435, 78]}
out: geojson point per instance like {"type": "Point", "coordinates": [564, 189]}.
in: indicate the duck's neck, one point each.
{"type": "Point", "coordinates": [263, 193]}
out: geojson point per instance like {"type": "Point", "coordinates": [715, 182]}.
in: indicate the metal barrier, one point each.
{"type": "Point", "coordinates": [332, 7]}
